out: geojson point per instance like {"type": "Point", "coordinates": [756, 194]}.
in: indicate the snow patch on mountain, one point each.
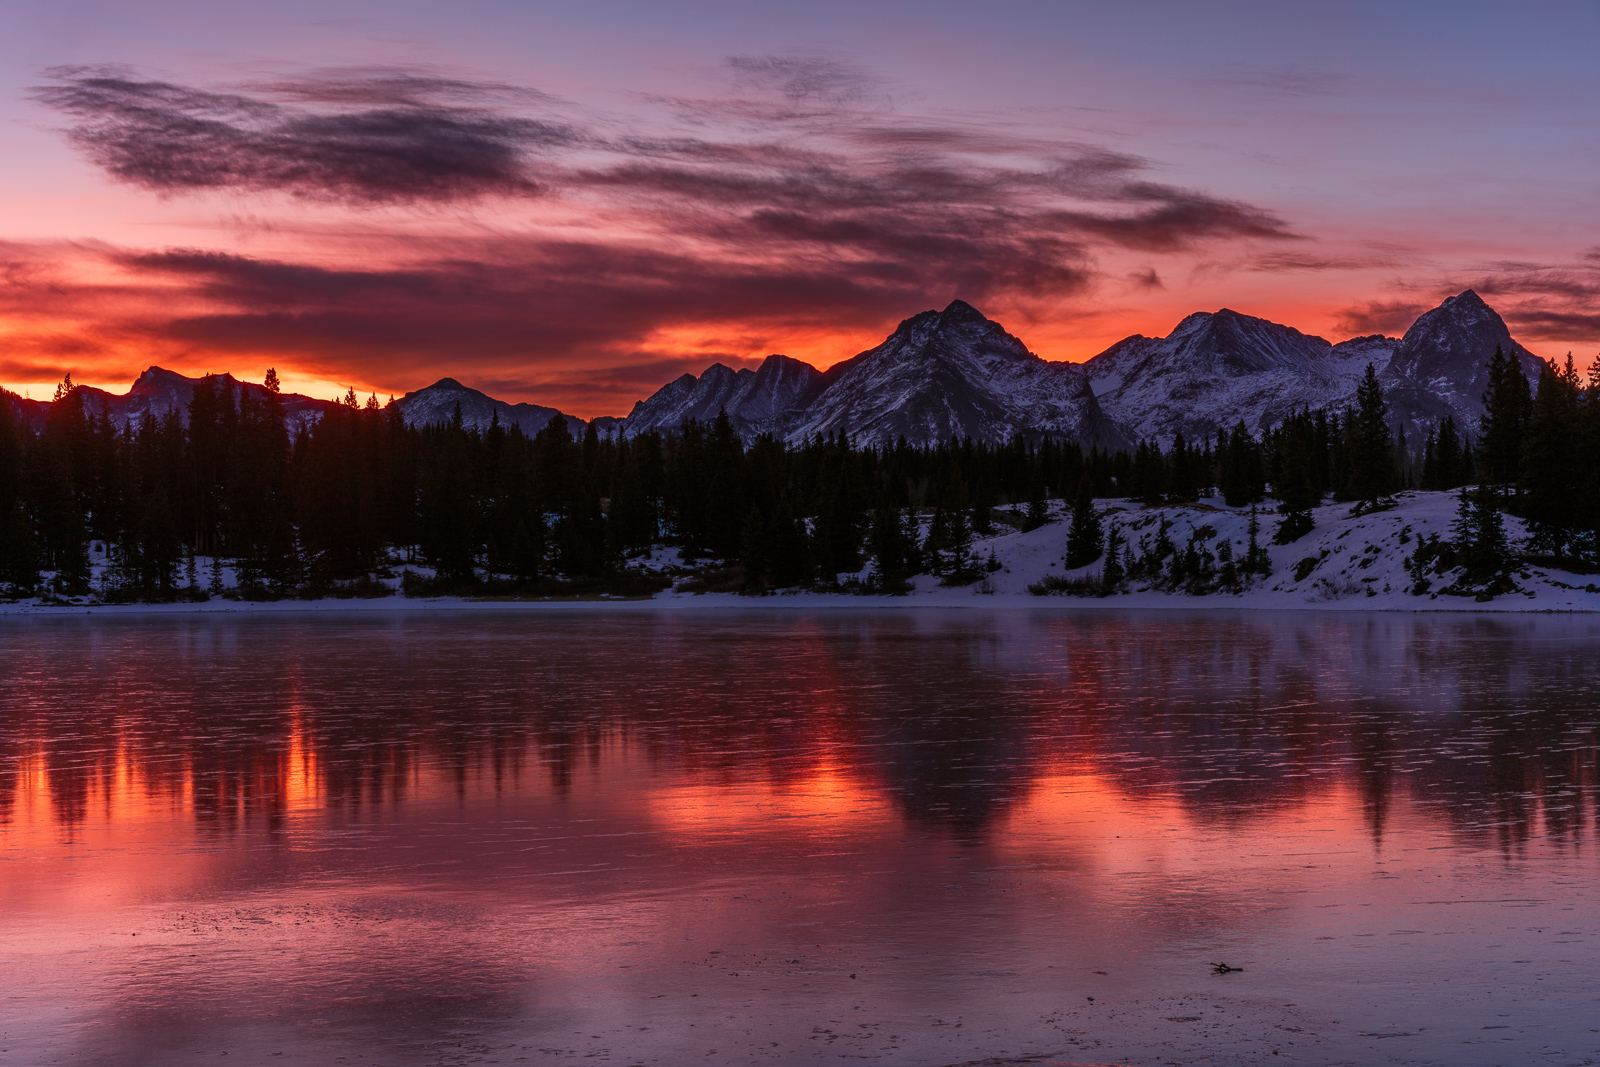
{"type": "Point", "coordinates": [159, 392]}
{"type": "Point", "coordinates": [753, 399]}
{"type": "Point", "coordinates": [940, 375]}
{"type": "Point", "coordinates": [1218, 368]}
{"type": "Point", "coordinates": [1441, 366]}
{"type": "Point", "coordinates": [437, 405]}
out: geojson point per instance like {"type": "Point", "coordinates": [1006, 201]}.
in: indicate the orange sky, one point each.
{"type": "Point", "coordinates": [575, 207]}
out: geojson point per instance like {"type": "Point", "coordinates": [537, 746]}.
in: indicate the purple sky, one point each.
{"type": "Point", "coordinates": [572, 204]}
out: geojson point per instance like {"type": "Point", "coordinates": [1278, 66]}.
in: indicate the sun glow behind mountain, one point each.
{"type": "Point", "coordinates": [572, 217]}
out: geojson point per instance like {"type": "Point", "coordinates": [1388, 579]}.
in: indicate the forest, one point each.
{"type": "Point", "coordinates": [225, 499]}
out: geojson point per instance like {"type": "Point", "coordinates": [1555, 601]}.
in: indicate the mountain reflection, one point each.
{"type": "Point", "coordinates": [952, 718]}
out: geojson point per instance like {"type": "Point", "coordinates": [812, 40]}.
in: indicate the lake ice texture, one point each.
{"type": "Point", "coordinates": [901, 837]}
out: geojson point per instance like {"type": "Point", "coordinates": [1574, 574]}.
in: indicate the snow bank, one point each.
{"type": "Point", "coordinates": [1347, 562]}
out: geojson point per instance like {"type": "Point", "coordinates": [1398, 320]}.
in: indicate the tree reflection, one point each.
{"type": "Point", "coordinates": [1488, 724]}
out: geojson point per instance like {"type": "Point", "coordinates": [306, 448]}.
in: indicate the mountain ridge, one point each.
{"type": "Point", "coordinates": [956, 373]}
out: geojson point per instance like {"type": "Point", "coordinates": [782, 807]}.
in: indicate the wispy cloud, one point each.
{"type": "Point", "coordinates": [796, 197]}
{"type": "Point", "coordinates": [384, 137]}
{"type": "Point", "coordinates": [1545, 302]}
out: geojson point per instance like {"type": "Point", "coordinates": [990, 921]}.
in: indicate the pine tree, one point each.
{"type": "Point", "coordinates": [1481, 546]}
{"type": "Point", "coordinates": [1038, 512]}
{"type": "Point", "coordinates": [1256, 558]}
{"type": "Point", "coordinates": [894, 557]}
{"type": "Point", "coordinates": [1242, 473]}
{"type": "Point", "coordinates": [1295, 488]}
{"type": "Point", "coordinates": [1506, 404]}
{"type": "Point", "coordinates": [1183, 477]}
{"type": "Point", "coordinates": [1445, 459]}
{"type": "Point", "coordinates": [1113, 573]}
{"type": "Point", "coordinates": [1084, 537]}
{"type": "Point", "coordinates": [1369, 444]}
{"type": "Point", "coordinates": [1553, 470]}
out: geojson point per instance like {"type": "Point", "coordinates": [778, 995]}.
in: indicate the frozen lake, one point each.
{"type": "Point", "coordinates": [903, 837]}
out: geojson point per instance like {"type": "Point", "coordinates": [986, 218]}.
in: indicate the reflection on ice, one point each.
{"type": "Point", "coordinates": [653, 834]}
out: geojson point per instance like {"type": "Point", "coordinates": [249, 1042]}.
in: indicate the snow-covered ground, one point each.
{"type": "Point", "coordinates": [1347, 562]}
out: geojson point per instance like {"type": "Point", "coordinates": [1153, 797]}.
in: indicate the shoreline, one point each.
{"type": "Point", "coordinates": [1349, 561]}
{"type": "Point", "coordinates": [953, 600]}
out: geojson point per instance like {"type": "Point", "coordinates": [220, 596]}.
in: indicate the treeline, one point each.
{"type": "Point", "coordinates": [329, 506]}
{"type": "Point", "coordinates": [333, 506]}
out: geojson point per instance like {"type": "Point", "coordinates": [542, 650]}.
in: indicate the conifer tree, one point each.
{"type": "Point", "coordinates": [1184, 474]}
{"type": "Point", "coordinates": [1038, 512]}
{"type": "Point", "coordinates": [1506, 404]}
{"type": "Point", "coordinates": [1084, 537]}
{"type": "Point", "coordinates": [1552, 468]}
{"type": "Point", "coordinates": [1295, 486]}
{"type": "Point", "coordinates": [1370, 445]}
{"type": "Point", "coordinates": [1113, 573]}
{"type": "Point", "coordinates": [1242, 474]}
{"type": "Point", "coordinates": [894, 547]}
{"type": "Point", "coordinates": [1256, 558]}
{"type": "Point", "coordinates": [1481, 546]}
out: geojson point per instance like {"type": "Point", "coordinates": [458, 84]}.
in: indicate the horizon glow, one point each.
{"type": "Point", "coordinates": [574, 205]}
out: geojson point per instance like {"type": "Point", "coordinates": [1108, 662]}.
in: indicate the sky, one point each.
{"type": "Point", "coordinates": [572, 204]}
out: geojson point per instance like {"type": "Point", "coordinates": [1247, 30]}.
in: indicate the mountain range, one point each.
{"type": "Point", "coordinates": [956, 373]}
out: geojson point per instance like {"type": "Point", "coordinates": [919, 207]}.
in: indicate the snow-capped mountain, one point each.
{"type": "Point", "coordinates": [1441, 364]}
{"type": "Point", "coordinates": [1217, 368]}
{"type": "Point", "coordinates": [752, 398]}
{"type": "Point", "coordinates": [437, 404]}
{"type": "Point", "coordinates": [953, 373]}
{"type": "Point", "coordinates": [158, 391]}
{"type": "Point", "coordinates": [940, 374]}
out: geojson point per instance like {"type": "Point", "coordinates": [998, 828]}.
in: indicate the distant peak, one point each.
{"type": "Point", "coordinates": [448, 383]}
{"type": "Point", "coordinates": [960, 309]}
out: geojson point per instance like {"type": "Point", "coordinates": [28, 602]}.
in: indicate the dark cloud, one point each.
{"type": "Point", "coordinates": [1551, 303]}
{"type": "Point", "coordinates": [563, 323]}
{"type": "Point", "coordinates": [1544, 302]}
{"type": "Point", "coordinates": [1180, 222]}
{"type": "Point", "coordinates": [796, 202]}
{"type": "Point", "coordinates": [1391, 318]}
{"type": "Point", "coordinates": [397, 139]}
{"type": "Point", "coordinates": [863, 179]}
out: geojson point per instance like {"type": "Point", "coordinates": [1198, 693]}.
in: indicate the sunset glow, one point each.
{"type": "Point", "coordinates": [572, 218]}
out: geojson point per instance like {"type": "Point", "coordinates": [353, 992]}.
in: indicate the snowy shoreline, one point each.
{"type": "Point", "coordinates": [1348, 562]}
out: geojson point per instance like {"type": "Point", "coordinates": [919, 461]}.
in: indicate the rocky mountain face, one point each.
{"type": "Point", "coordinates": [941, 374]}
{"type": "Point", "coordinates": [1441, 365]}
{"type": "Point", "coordinates": [955, 373]}
{"type": "Point", "coordinates": [437, 405]}
{"type": "Point", "coordinates": [753, 399]}
{"type": "Point", "coordinates": [1217, 368]}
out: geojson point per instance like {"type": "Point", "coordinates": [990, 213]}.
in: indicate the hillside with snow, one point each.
{"type": "Point", "coordinates": [1349, 561]}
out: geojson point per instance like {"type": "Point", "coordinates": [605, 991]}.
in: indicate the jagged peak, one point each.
{"type": "Point", "coordinates": [718, 370]}
{"type": "Point", "coordinates": [448, 383]}
{"type": "Point", "coordinates": [1468, 298]}
{"type": "Point", "coordinates": [960, 309]}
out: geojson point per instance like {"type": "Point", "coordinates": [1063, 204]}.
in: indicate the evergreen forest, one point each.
{"type": "Point", "coordinates": [227, 499]}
